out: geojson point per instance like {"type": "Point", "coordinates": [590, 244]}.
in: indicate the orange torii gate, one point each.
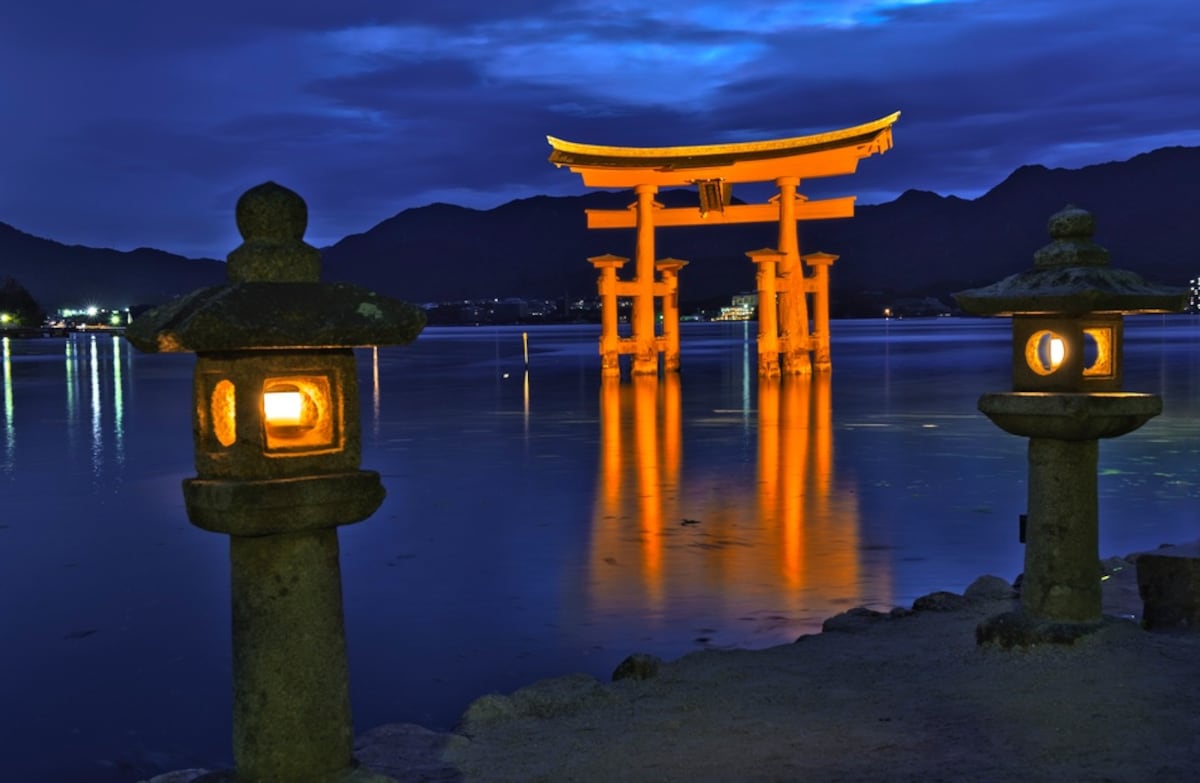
{"type": "Point", "coordinates": [783, 287]}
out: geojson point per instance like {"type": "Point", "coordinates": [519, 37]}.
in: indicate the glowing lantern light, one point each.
{"type": "Point", "coordinates": [298, 413]}
{"type": "Point", "coordinates": [282, 408]}
{"type": "Point", "coordinates": [1045, 351]}
{"type": "Point", "coordinates": [1057, 349]}
{"type": "Point", "coordinates": [224, 413]}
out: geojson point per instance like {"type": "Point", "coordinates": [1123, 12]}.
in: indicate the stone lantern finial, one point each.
{"type": "Point", "coordinates": [272, 220]}
{"type": "Point", "coordinates": [1071, 229]}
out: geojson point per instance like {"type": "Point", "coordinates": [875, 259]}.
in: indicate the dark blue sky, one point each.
{"type": "Point", "coordinates": [133, 123]}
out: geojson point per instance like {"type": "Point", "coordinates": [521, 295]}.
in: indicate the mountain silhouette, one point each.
{"type": "Point", "coordinates": [59, 275]}
{"type": "Point", "coordinates": [919, 244]}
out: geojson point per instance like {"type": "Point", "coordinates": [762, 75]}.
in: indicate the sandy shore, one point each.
{"type": "Point", "coordinates": [906, 696]}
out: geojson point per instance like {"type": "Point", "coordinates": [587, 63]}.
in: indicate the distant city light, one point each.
{"type": "Point", "coordinates": [91, 317]}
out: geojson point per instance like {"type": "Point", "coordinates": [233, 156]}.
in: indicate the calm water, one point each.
{"type": "Point", "coordinates": [534, 525]}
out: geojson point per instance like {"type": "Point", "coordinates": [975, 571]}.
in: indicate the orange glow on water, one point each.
{"type": "Point", "coordinates": [785, 537]}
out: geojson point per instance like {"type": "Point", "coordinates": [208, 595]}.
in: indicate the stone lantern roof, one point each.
{"type": "Point", "coordinates": [1071, 276]}
{"type": "Point", "coordinates": [274, 298]}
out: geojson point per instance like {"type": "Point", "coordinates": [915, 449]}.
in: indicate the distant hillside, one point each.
{"type": "Point", "coordinates": [921, 243]}
{"type": "Point", "coordinates": [59, 275]}
{"type": "Point", "coordinates": [1142, 208]}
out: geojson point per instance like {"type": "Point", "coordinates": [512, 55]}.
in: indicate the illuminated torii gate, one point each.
{"type": "Point", "coordinates": [713, 169]}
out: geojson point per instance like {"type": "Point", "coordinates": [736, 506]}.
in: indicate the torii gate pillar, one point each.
{"type": "Point", "coordinates": [668, 269]}
{"type": "Point", "coordinates": [607, 287]}
{"type": "Point", "coordinates": [820, 263]}
{"type": "Point", "coordinates": [645, 355]}
{"type": "Point", "coordinates": [768, 261]}
{"type": "Point", "coordinates": [793, 300]}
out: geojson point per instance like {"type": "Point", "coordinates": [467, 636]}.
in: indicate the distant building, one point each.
{"type": "Point", "coordinates": [1194, 295]}
{"type": "Point", "coordinates": [741, 308]}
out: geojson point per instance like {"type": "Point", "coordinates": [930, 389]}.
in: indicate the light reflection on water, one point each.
{"type": "Point", "coordinates": [537, 522]}
{"type": "Point", "coordinates": [70, 371]}
{"type": "Point", "coordinates": [10, 433]}
{"type": "Point", "coordinates": [781, 546]}
{"type": "Point", "coordinates": [118, 346]}
{"type": "Point", "coordinates": [97, 408]}
{"type": "Point", "coordinates": [98, 361]}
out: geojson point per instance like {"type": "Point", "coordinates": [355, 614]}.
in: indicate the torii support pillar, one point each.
{"type": "Point", "coordinates": [645, 343]}
{"type": "Point", "coordinates": [668, 269]}
{"type": "Point", "coordinates": [793, 302]}
{"type": "Point", "coordinates": [606, 286]}
{"type": "Point", "coordinates": [819, 283]}
{"type": "Point", "coordinates": [768, 261]}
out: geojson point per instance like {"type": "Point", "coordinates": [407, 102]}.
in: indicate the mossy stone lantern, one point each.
{"type": "Point", "coordinates": [1067, 365]}
{"type": "Point", "coordinates": [277, 451]}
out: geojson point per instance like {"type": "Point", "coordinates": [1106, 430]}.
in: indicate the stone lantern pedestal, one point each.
{"type": "Point", "coordinates": [1061, 581]}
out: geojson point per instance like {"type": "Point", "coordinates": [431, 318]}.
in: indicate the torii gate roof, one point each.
{"type": "Point", "coordinates": [817, 155]}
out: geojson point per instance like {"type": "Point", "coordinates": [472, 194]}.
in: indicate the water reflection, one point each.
{"type": "Point", "coordinates": [118, 400]}
{"type": "Point", "coordinates": [95, 381]}
{"type": "Point", "coordinates": [787, 539]}
{"type": "Point", "coordinates": [375, 404]}
{"type": "Point", "coordinates": [103, 357]}
{"type": "Point", "coordinates": [639, 482]}
{"type": "Point", "coordinates": [10, 435]}
{"type": "Point", "coordinates": [814, 524]}
{"type": "Point", "coordinates": [525, 398]}
{"type": "Point", "coordinates": [71, 362]}
{"type": "Point", "coordinates": [97, 408]}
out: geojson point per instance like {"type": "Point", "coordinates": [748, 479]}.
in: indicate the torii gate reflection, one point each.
{"type": "Point", "coordinates": [783, 286]}
{"type": "Point", "coordinates": [786, 541]}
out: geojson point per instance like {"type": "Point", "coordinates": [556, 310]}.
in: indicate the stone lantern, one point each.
{"type": "Point", "coordinates": [275, 416]}
{"type": "Point", "coordinates": [1067, 365]}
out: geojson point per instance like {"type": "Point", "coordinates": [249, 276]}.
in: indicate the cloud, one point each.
{"type": "Point", "coordinates": [138, 123]}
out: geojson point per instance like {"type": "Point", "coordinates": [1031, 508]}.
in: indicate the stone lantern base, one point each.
{"type": "Point", "coordinates": [1018, 629]}
{"type": "Point", "coordinates": [1060, 587]}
